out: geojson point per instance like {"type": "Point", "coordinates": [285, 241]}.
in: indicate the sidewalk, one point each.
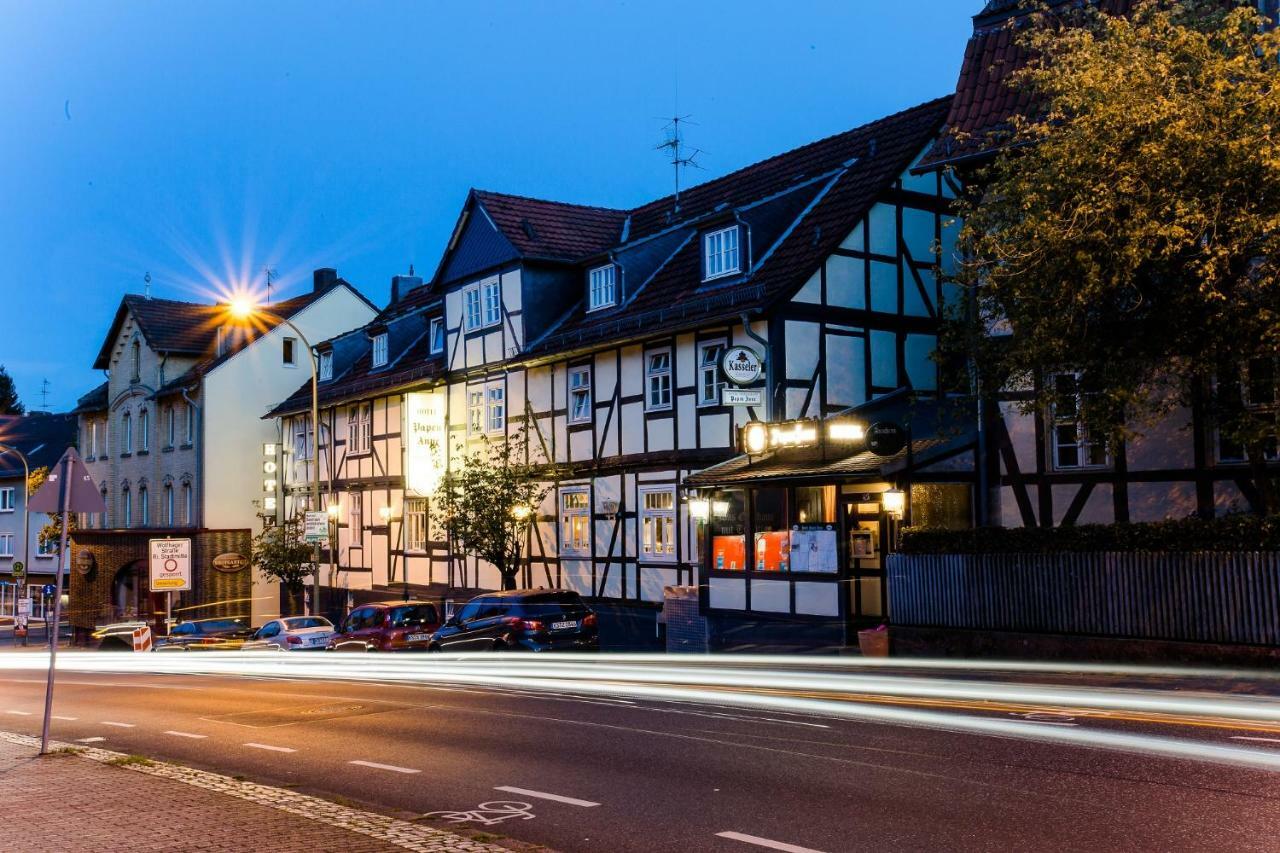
{"type": "Point", "coordinates": [98, 800]}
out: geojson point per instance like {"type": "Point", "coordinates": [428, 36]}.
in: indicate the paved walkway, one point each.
{"type": "Point", "coordinates": [86, 799]}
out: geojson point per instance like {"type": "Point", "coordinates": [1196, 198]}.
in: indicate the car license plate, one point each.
{"type": "Point", "coordinates": [417, 638]}
{"type": "Point", "coordinates": [318, 641]}
{"type": "Point", "coordinates": [560, 626]}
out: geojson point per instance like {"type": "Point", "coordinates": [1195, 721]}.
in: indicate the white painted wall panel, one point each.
{"type": "Point", "coordinates": [818, 599]}
{"type": "Point", "coordinates": [771, 596]}
{"type": "Point", "coordinates": [728, 593]}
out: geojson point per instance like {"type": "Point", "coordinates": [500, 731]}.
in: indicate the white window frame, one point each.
{"type": "Point", "coordinates": [579, 403]}
{"type": "Point", "coordinates": [721, 256]}
{"type": "Point", "coordinates": [169, 518]}
{"type": "Point", "coordinates": [435, 332]}
{"type": "Point", "coordinates": [144, 504]}
{"type": "Point", "coordinates": [491, 302]}
{"type": "Point", "coordinates": [126, 497]}
{"type": "Point", "coordinates": [380, 354]}
{"type": "Point", "coordinates": [602, 287]}
{"type": "Point", "coordinates": [188, 505]}
{"type": "Point", "coordinates": [359, 429]}
{"type": "Point", "coordinates": [144, 429]}
{"type": "Point", "coordinates": [191, 424]}
{"type": "Point", "coordinates": [355, 519]}
{"type": "Point", "coordinates": [658, 525]}
{"type": "Point", "coordinates": [289, 351]}
{"type": "Point", "coordinates": [46, 548]}
{"type": "Point", "coordinates": [6, 545]}
{"type": "Point", "coordinates": [658, 379]}
{"type": "Point", "coordinates": [575, 521]}
{"type": "Point", "coordinates": [126, 437]}
{"type": "Point", "coordinates": [415, 525]}
{"type": "Point", "coordinates": [1083, 445]}
{"type": "Point", "coordinates": [475, 409]}
{"type": "Point", "coordinates": [709, 368]}
{"type": "Point", "coordinates": [8, 499]}
{"type": "Point", "coordinates": [495, 408]}
{"type": "Point", "coordinates": [326, 365]}
{"type": "Point", "coordinates": [93, 437]}
{"type": "Point", "coordinates": [473, 317]}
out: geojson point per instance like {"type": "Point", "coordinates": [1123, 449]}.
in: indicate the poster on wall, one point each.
{"type": "Point", "coordinates": [730, 553]}
{"type": "Point", "coordinates": [425, 437]}
{"type": "Point", "coordinates": [814, 548]}
{"type": "Point", "coordinates": [773, 551]}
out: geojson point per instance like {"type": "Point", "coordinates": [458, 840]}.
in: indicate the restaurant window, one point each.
{"type": "Point", "coordinates": [941, 506]}
{"type": "Point", "coordinates": [658, 376]}
{"type": "Point", "coordinates": [770, 524]}
{"type": "Point", "coordinates": [415, 524]}
{"type": "Point", "coordinates": [575, 521]}
{"type": "Point", "coordinates": [728, 523]}
{"type": "Point", "coordinates": [580, 395]}
{"type": "Point", "coordinates": [658, 523]}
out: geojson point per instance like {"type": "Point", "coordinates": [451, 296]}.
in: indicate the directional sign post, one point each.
{"type": "Point", "coordinates": [68, 488]}
{"type": "Point", "coordinates": [315, 527]}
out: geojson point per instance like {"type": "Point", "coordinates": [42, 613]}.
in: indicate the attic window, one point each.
{"type": "Point", "coordinates": [527, 227]}
{"type": "Point", "coordinates": [437, 335]}
{"type": "Point", "coordinates": [326, 365]}
{"type": "Point", "coordinates": [603, 287]}
{"type": "Point", "coordinates": [290, 353]}
{"type": "Point", "coordinates": [380, 349]}
{"type": "Point", "coordinates": [720, 253]}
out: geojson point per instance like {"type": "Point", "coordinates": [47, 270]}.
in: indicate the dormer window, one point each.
{"type": "Point", "coordinates": [437, 335]}
{"type": "Point", "coordinates": [720, 253]}
{"type": "Point", "coordinates": [380, 349]}
{"type": "Point", "coordinates": [326, 365]}
{"type": "Point", "coordinates": [603, 287]}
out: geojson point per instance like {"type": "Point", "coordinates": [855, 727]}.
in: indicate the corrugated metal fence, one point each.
{"type": "Point", "coordinates": [1213, 597]}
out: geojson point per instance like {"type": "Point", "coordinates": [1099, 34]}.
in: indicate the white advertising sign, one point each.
{"type": "Point", "coordinates": [425, 437]}
{"type": "Point", "coordinates": [740, 397]}
{"type": "Point", "coordinates": [315, 526]}
{"type": "Point", "coordinates": [741, 365]}
{"type": "Point", "coordinates": [170, 565]}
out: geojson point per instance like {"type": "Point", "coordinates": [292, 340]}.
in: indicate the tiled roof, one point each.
{"type": "Point", "coordinates": [551, 229]}
{"type": "Point", "coordinates": [41, 438]}
{"type": "Point", "coordinates": [94, 401]}
{"type": "Point", "coordinates": [984, 101]}
{"type": "Point", "coordinates": [831, 183]}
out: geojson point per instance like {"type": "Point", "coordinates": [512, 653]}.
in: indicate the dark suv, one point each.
{"type": "Point", "coordinates": [540, 620]}
{"type": "Point", "coordinates": [396, 626]}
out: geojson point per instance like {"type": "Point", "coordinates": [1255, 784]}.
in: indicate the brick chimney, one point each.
{"type": "Point", "coordinates": [402, 284]}
{"type": "Point", "coordinates": [324, 278]}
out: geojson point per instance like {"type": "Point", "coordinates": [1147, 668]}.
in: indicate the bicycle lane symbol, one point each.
{"type": "Point", "coordinates": [486, 814]}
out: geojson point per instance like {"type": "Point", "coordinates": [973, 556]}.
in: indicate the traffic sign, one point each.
{"type": "Point", "coordinates": [170, 565]}
{"type": "Point", "coordinates": [19, 570]}
{"type": "Point", "coordinates": [315, 527]}
{"type": "Point", "coordinates": [84, 495]}
{"type": "Point", "coordinates": [885, 438]}
{"type": "Point", "coordinates": [49, 589]}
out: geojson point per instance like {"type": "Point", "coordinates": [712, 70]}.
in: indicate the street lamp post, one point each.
{"type": "Point", "coordinates": [245, 309]}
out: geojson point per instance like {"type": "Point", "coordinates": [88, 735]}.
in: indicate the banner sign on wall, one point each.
{"type": "Point", "coordinates": [425, 437]}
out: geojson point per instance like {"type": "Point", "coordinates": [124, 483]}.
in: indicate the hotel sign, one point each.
{"type": "Point", "coordinates": [425, 437]}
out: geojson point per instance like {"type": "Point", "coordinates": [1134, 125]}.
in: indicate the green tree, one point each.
{"type": "Point", "coordinates": [280, 553]}
{"type": "Point", "coordinates": [488, 500]}
{"type": "Point", "coordinates": [1130, 230]}
{"type": "Point", "coordinates": [9, 402]}
{"type": "Point", "coordinates": [49, 536]}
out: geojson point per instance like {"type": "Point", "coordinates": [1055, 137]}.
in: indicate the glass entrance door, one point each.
{"type": "Point", "coordinates": [865, 532]}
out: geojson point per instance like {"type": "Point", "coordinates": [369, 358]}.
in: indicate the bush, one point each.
{"type": "Point", "coordinates": [1229, 533]}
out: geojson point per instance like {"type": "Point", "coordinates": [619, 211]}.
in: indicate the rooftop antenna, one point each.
{"type": "Point", "coordinates": [44, 395]}
{"type": "Point", "coordinates": [272, 276]}
{"type": "Point", "coordinates": [681, 157]}
{"type": "Point", "coordinates": [146, 285]}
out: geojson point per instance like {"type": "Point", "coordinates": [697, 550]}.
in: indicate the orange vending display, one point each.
{"type": "Point", "coordinates": [729, 552]}
{"type": "Point", "coordinates": [773, 550]}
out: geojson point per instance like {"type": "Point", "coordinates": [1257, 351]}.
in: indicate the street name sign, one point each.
{"type": "Point", "coordinates": [170, 565]}
{"type": "Point", "coordinates": [742, 397]}
{"type": "Point", "coordinates": [315, 527]}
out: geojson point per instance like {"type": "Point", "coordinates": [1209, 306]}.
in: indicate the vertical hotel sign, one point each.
{"type": "Point", "coordinates": [425, 436]}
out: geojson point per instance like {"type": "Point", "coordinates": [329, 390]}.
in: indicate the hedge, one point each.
{"type": "Point", "coordinates": [1229, 533]}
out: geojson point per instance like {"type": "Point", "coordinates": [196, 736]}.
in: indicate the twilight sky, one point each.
{"type": "Point", "coordinates": [203, 142]}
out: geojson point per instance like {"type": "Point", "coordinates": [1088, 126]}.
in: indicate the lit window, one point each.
{"type": "Point", "coordinates": [497, 408]}
{"type": "Point", "coordinates": [475, 411]}
{"type": "Point", "coordinates": [603, 289]}
{"type": "Point", "coordinates": [1073, 445]}
{"type": "Point", "coordinates": [720, 250]}
{"type": "Point", "coordinates": [326, 365]}
{"type": "Point", "coordinates": [437, 335]}
{"type": "Point", "coordinates": [580, 395]}
{"type": "Point", "coordinates": [709, 384]}
{"type": "Point", "coordinates": [380, 350]}
{"type": "Point", "coordinates": [6, 499]}
{"type": "Point", "coordinates": [575, 522]}
{"type": "Point", "coordinates": [289, 352]}
{"type": "Point", "coordinates": [658, 524]}
{"type": "Point", "coordinates": [359, 428]}
{"type": "Point", "coordinates": [415, 524]}
{"type": "Point", "coordinates": [658, 375]}
{"type": "Point", "coordinates": [492, 303]}
{"type": "Point", "coordinates": [471, 306]}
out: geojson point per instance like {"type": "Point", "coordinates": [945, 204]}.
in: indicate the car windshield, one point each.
{"type": "Point", "coordinates": [568, 603]}
{"type": "Point", "coordinates": [214, 626]}
{"type": "Point", "coordinates": [412, 614]}
{"type": "Point", "coordinates": [299, 622]}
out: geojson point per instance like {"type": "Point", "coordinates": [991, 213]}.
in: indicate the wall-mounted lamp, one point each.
{"type": "Point", "coordinates": [333, 510]}
{"type": "Point", "coordinates": [720, 508]}
{"type": "Point", "coordinates": [894, 502]}
{"type": "Point", "coordinates": [385, 512]}
{"type": "Point", "coordinates": [755, 437]}
{"type": "Point", "coordinates": [700, 509]}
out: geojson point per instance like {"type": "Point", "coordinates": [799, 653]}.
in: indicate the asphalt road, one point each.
{"type": "Point", "coordinates": [627, 774]}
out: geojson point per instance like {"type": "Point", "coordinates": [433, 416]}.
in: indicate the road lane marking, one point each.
{"type": "Point", "coordinates": [117, 725]}
{"type": "Point", "coordinates": [270, 748]}
{"type": "Point", "coordinates": [186, 734]}
{"type": "Point", "coordinates": [1044, 722]}
{"type": "Point", "coordinates": [376, 766]}
{"type": "Point", "coordinates": [56, 717]}
{"type": "Point", "coordinates": [90, 740]}
{"type": "Point", "coordinates": [1263, 739]}
{"type": "Point", "coordinates": [540, 795]}
{"type": "Point", "coordinates": [19, 713]}
{"type": "Point", "coordinates": [766, 842]}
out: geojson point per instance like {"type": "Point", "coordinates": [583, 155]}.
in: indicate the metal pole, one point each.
{"type": "Point", "coordinates": [57, 603]}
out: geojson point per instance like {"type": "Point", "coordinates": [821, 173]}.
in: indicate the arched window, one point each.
{"type": "Point", "coordinates": [188, 510]}
{"type": "Point", "coordinates": [145, 506]}
{"type": "Point", "coordinates": [144, 431]}
{"type": "Point", "coordinates": [168, 505]}
{"type": "Point", "coordinates": [126, 433]}
{"type": "Point", "coordinates": [126, 507]}
{"type": "Point", "coordinates": [137, 360]}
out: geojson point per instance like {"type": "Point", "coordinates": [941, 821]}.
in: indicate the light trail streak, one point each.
{"type": "Point", "coordinates": [840, 691]}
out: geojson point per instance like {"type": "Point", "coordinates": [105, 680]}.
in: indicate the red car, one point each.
{"type": "Point", "coordinates": [394, 626]}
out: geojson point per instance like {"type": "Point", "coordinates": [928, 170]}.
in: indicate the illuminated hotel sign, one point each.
{"type": "Point", "coordinates": [270, 478]}
{"type": "Point", "coordinates": [425, 436]}
{"type": "Point", "coordinates": [757, 437]}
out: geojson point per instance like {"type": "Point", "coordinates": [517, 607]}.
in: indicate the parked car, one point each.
{"type": "Point", "coordinates": [293, 634]}
{"type": "Point", "coordinates": [539, 620]}
{"type": "Point", "coordinates": [228, 632]}
{"type": "Point", "coordinates": [394, 626]}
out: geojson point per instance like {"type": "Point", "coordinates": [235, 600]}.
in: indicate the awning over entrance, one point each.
{"type": "Point", "coordinates": [816, 463]}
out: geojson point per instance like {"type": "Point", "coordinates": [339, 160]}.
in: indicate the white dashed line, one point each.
{"type": "Point", "coordinates": [765, 842]}
{"type": "Point", "coordinates": [186, 734]}
{"type": "Point", "coordinates": [270, 748]}
{"type": "Point", "coordinates": [376, 766]}
{"type": "Point", "coordinates": [19, 713]}
{"type": "Point", "coordinates": [56, 717]}
{"type": "Point", "coordinates": [117, 725]}
{"type": "Point", "coordinates": [1263, 739]}
{"type": "Point", "coordinates": [90, 740]}
{"type": "Point", "coordinates": [586, 804]}
{"type": "Point", "coordinates": [1044, 722]}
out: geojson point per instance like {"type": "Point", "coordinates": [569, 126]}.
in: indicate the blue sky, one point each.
{"type": "Point", "coordinates": [203, 142]}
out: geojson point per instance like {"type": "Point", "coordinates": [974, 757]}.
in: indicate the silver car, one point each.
{"type": "Point", "coordinates": [293, 634]}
